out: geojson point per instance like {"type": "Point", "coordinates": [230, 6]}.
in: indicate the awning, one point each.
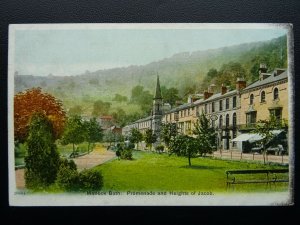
{"type": "Point", "coordinates": [253, 137]}
{"type": "Point", "coordinates": [243, 137]}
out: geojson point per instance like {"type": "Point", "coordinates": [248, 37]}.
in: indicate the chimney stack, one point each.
{"type": "Point", "coordinates": [262, 68]}
{"type": "Point", "coordinates": [223, 89]}
{"type": "Point", "coordinates": [207, 94]}
{"type": "Point", "coordinates": [240, 84]}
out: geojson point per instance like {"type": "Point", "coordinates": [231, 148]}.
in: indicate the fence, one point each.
{"type": "Point", "coordinates": [237, 155]}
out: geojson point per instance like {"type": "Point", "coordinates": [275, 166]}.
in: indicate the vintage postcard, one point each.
{"type": "Point", "coordinates": [151, 114]}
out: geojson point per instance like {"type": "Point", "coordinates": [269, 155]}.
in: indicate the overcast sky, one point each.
{"type": "Point", "coordinates": [73, 51]}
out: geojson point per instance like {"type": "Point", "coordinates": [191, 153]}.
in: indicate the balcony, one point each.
{"type": "Point", "coordinates": [249, 126]}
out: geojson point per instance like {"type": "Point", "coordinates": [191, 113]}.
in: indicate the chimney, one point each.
{"type": "Point", "coordinates": [207, 94]}
{"type": "Point", "coordinates": [240, 84]}
{"type": "Point", "coordinates": [223, 89]}
{"type": "Point", "coordinates": [262, 68]}
{"type": "Point", "coordinates": [212, 88]}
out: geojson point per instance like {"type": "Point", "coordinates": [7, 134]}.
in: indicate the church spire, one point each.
{"type": "Point", "coordinates": [158, 91]}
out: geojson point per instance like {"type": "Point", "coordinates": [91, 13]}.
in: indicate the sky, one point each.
{"type": "Point", "coordinates": [64, 52]}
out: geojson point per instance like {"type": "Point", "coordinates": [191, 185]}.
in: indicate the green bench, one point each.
{"type": "Point", "coordinates": [265, 176]}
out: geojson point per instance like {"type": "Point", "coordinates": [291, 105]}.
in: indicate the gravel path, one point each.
{"type": "Point", "coordinates": [95, 158]}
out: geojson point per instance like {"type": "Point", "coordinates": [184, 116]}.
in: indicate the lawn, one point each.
{"type": "Point", "coordinates": [160, 172]}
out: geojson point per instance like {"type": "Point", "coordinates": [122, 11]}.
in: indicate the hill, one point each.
{"type": "Point", "coordinates": [182, 71]}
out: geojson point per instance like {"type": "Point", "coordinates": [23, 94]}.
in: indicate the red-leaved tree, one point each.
{"type": "Point", "coordinates": [32, 101]}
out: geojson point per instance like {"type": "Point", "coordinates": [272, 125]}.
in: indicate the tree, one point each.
{"type": "Point", "coordinates": [120, 98]}
{"type": "Point", "coordinates": [186, 146]}
{"type": "Point", "coordinates": [76, 110]}
{"type": "Point", "coordinates": [150, 138]}
{"type": "Point", "coordinates": [75, 131]}
{"type": "Point", "coordinates": [93, 132]}
{"type": "Point", "coordinates": [135, 136]}
{"type": "Point", "coordinates": [119, 116]}
{"type": "Point", "coordinates": [109, 137]}
{"type": "Point", "coordinates": [35, 101]}
{"type": "Point", "coordinates": [264, 129]}
{"type": "Point", "coordinates": [170, 95]}
{"type": "Point", "coordinates": [141, 97]}
{"type": "Point", "coordinates": [168, 133]}
{"type": "Point", "coordinates": [229, 73]}
{"type": "Point", "coordinates": [101, 108]}
{"type": "Point", "coordinates": [206, 135]}
{"type": "Point", "coordinates": [42, 159]}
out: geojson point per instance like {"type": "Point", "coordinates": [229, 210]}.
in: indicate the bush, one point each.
{"type": "Point", "coordinates": [90, 180]}
{"type": "Point", "coordinates": [126, 154]}
{"type": "Point", "coordinates": [67, 176]}
{"type": "Point", "coordinates": [159, 148]}
{"type": "Point", "coordinates": [69, 179]}
{"type": "Point", "coordinates": [129, 146]}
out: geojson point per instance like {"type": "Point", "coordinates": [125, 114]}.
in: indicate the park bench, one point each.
{"type": "Point", "coordinates": [264, 176]}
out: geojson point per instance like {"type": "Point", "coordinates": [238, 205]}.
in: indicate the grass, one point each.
{"type": "Point", "coordinates": [160, 172]}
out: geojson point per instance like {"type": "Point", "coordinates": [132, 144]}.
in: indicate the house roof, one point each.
{"type": "Point", "coordinates": [143, 119]}
{"type": "Point", "coordinates": [219, 95]}
{"type": "Point", "coordinates": [273, 78]}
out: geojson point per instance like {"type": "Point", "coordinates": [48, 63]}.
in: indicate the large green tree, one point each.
{"type": "Point", "coordinates": [75, 131]}
{"type": "Point", "coordinates": [42, 159]}
{"type": "Point", "coordinates": [206, 135]}
{"type": "Point", "coordinates": [93, 132]}
{"type": "Point", "coordinates": [168, 133]}
{"type": "Point", "coordinates": [150, 138]}
{"type": "Point", "coordinates": [186, 146]}
{"type": "Point", "coordinates": [170, 95]}
{"type": "Point", "coordinates": [135, 136]}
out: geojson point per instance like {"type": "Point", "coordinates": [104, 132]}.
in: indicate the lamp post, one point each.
{"type": "Point", "coordinates": [213, 118]}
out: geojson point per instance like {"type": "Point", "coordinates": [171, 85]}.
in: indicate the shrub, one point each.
{"type": "Point", "coordinates": [159, 148]}
{"type": "Point", "coordinates": [90, 180]}
{"type": "Point", "coordinates": [67, 176]}
{"type": "Point", "coordinates": [126, 154]}
{"type": "Point", "coordinates": [118, 153]}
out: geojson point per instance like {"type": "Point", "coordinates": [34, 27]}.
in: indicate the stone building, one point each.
{"type": "Point", "coordinates": [231, 112]}
{"type": "Point", "coordinates": [268, 96]}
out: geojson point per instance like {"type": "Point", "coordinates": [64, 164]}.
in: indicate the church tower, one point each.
{"type": "Point", "coordinates": [157, 110]}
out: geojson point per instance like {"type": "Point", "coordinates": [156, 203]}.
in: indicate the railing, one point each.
{"type": "Point", "coordinates": [249, 126]}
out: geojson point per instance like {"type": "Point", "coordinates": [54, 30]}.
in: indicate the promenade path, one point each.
{"type": "Point", "coordinates": [98, 156]}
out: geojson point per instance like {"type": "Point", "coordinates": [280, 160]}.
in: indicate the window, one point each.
{"type": "Point", "coordinates": [234, 120]}
{"type": "Point", "coordinates": [275, 94]}
{"type": "Point", "coordinates": [205, 108]}
{"type": "Point", "coordinates": [220, 105]}
{"type": "Point", "coordinates": [220, 121]}
{"type": "Point", "coordinates": [234, 136]}
{"type": "Point", "coordinates": [180, 113]}
{"type": "Point", "coordinates": [234, 101]}
{"type": "Point", "coordinates": [276, 113]}
{"type": "Point", "coordinates": [251, 118]}
{"type": "Point", "coordinates": [227, 120]}
{"type": "Point", "coordinates": [227, 103]}
{"type": "Point", "coordinates": [251, 99]}
{"type": "Point", "coordinates": [263, 97]}
{"type": "Point", "coordinates": [170, 117]}
{"type": "Point", "coordinates": [213, 106]}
